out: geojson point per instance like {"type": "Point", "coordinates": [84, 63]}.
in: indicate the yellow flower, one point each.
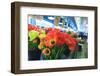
{"type": "Point", "coordinates": [40, 46]}
{"type": "Point", "coordinates": [42, 43]}
{"type": "Point", "coordinates": [41, 36]}
{"type": "Point", "coordinates": [42, 31]}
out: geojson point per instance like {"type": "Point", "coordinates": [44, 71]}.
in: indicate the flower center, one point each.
{"type": "Point", "coordinates": [47, 51]}
{"type": "Point", "coordinates": [52, 42]}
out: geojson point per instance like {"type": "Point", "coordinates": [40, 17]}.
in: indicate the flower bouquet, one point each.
{"type": "Point", "coordinates": [52, 43]}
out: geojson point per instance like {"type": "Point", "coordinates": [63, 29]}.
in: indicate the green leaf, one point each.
{"type": "Point", "coordinates": [46, 57]}
{"type": "Point", "coordinates": [61, 51]}
{"type": "Point", "coordinates": [31, 44]}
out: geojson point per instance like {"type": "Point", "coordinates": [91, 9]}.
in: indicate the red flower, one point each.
{"type": "Point", "coordinates": [52, 29]}
{"type": "Point", "coordinates": [32, 27]}
{"type": "Point", "coordinates": [56, 37]}
{"type": "Point", "coordinates": [71, 42]}
{"type": "Point", "coordinates": [60, 39]}
{"type": "Point", "coordinates": [50, 39]}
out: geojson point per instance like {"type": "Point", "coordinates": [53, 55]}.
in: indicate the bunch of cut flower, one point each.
{"type": "Point", "coordinates": [53, 43]}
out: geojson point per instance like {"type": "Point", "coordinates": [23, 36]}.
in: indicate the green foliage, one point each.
{"type": "Point", "coordinates": [79, 53]}
{"type": "Point", "coordinates": [31, 44]}
{"type": "Point", "coordinates": [56, 52]}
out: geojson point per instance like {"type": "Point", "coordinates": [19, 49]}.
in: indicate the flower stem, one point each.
{"type": "Point", "coordinates": [59, 51]}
